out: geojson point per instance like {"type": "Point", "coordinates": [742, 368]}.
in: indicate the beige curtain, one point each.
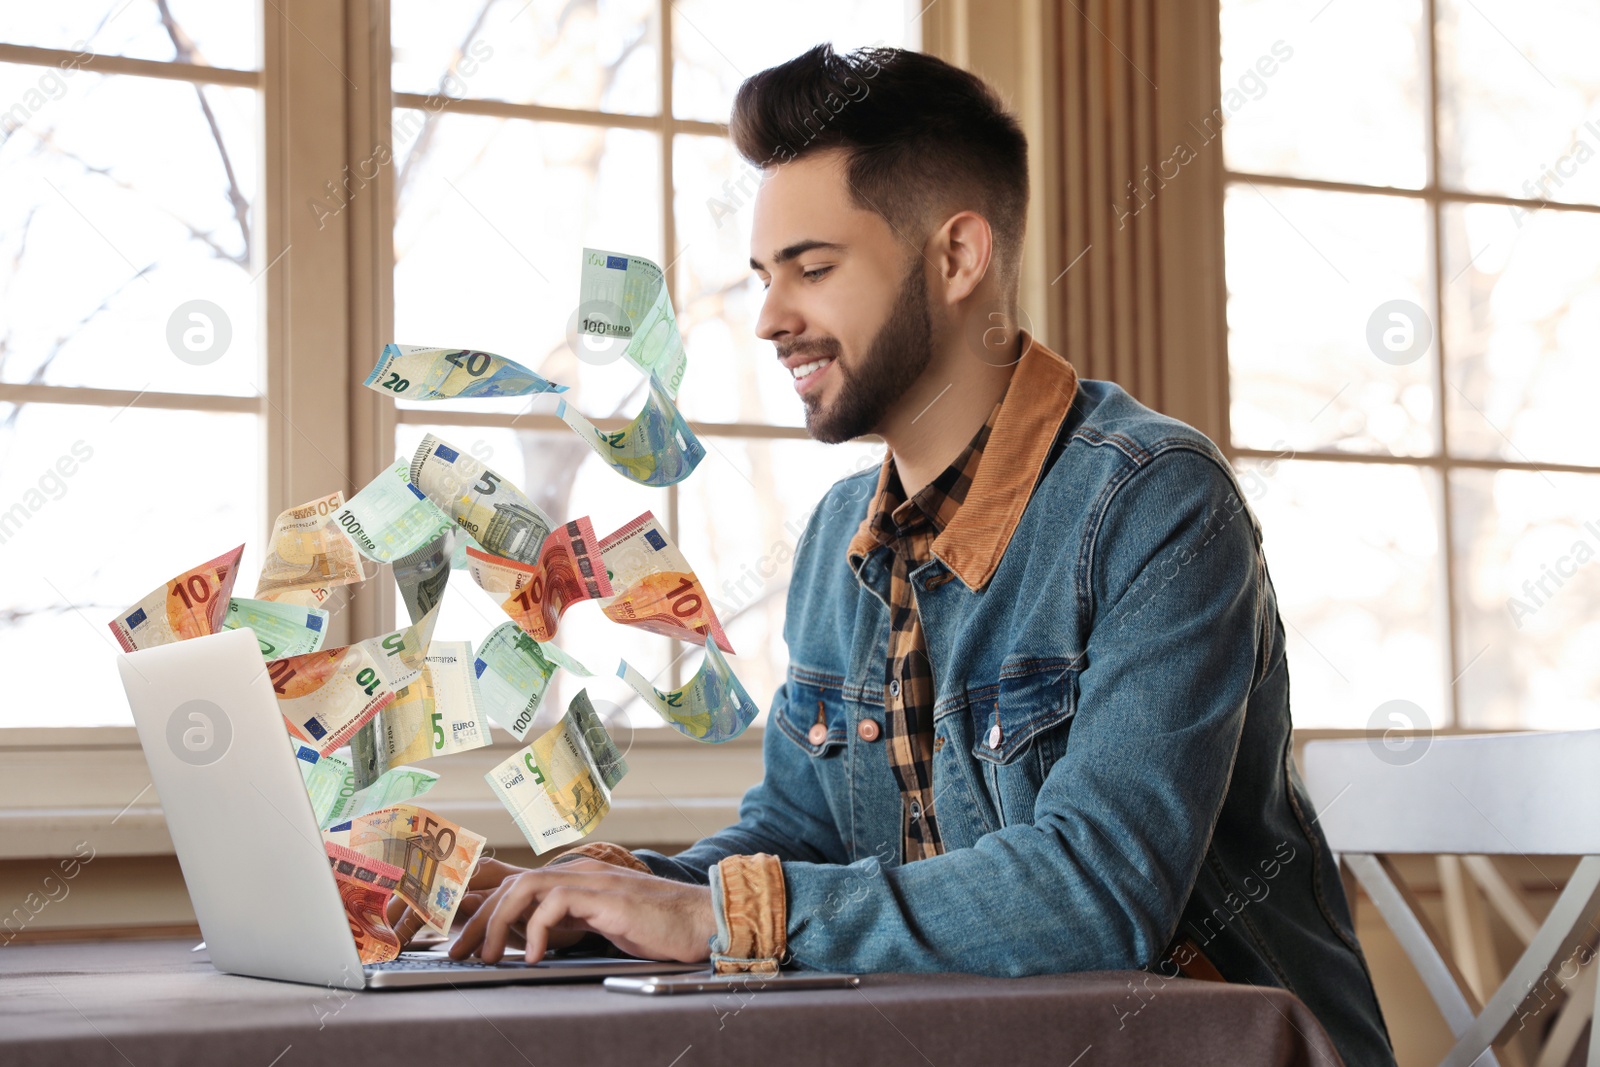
{"type": "Point", "coordinates": [1123, 272]}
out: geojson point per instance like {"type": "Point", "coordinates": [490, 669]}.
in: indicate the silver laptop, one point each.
{"type": "Point", "coordinates": [248, 841]}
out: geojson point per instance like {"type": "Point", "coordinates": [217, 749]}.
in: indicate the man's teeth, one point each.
{"type": "Point", "coordinates": [807, 368]}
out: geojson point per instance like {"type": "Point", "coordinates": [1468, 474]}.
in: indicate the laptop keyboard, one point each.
{"type": "Point", "coordinates": [436, 961]}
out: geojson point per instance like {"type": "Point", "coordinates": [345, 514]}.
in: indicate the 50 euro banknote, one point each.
{"type": "Point", "coordinates": [365, 886]}
{"type": "Point", "coordinates": [309, 554]}
{"type": "Point", "coordinates": [436, 855]}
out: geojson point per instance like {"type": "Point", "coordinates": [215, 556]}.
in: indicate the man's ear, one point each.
{"type": "Point", "coordinates": [962, 249]}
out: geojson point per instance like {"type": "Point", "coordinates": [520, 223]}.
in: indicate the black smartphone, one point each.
{"type": "Point", "coordinates": [706, 982]}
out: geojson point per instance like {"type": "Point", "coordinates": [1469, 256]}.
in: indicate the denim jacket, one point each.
{"type": "Point", "coordinates": [1112, 767]}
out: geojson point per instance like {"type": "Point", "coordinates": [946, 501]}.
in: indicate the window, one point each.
{"type": "Point", "coordinates": [503, 176]}
{"type": "Point", "coordinates": [130, 363]}
{"type": "Point", "coordinates": [1412, 210]}
{"type": "Point", "coordinates": [139, 184]}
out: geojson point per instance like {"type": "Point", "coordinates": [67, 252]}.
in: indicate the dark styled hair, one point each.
{"type": "Point", "coordinates": [922, 136]}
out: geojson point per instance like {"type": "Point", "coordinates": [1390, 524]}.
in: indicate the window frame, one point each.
{"type": "Point", "coordinates": [1436, 196]}
{"type": "Point", "coordinates": [324, 279]}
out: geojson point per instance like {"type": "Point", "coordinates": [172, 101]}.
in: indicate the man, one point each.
{"type": "Point", "coordinates": [1037, 711]}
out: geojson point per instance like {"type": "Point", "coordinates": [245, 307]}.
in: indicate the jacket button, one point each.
{"type": "Point", "coordinates": [994, 736]}
{"type": "Point", "coordinates": [867, 730]}
{"type": "Point", "coordinates": [818, 734]}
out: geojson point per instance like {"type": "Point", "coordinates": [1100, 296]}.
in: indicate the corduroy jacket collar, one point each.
{"type": "Point", "coordinates": [972, 544]}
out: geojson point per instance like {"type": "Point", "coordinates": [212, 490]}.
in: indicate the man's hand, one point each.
{"type": "Point", "coordinates": [642, 914]}
{"type": "Point", "coordinates": [486, 877]}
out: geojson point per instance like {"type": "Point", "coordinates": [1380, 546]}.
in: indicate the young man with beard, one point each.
{"type": "Point", "coordinates": [1036, 717]}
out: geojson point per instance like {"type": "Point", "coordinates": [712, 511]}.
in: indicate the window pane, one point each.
{"type": "Point", "coordinates": [1310, 274]}
{"type": "Point", "coordinates": [216, 33]}
{"type": "Point", "coordinates": [1519, 93]}
{"type": "Point", "coordinates": [1353, 550]}
{"type": "Point", "coordinates": [714, 190]}
{"type": "Point", "coordinates": [1527, 545]}
{"type": "Point", "coordinates": [108, 234]}
{"type": "Point", "coordinates": [740, 518]}
{"type": "Point", "coordinates": [716, 44]}
{"type": "Point", "coordinates": [1336, 91]}
{"type": "Point", "coordinates": [98, 512]}
{"type": "Point", "coordinates": [493, 216]}
{"type": "Point", "coordinates": [1522, 322]}
{"type": "Point", "coordinates": [561, 474]}
{"type": "Point", "coordinates": [597, 56]}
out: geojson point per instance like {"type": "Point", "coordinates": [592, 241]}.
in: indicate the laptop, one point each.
{"type": "Point", "coordinates": [247, 839]}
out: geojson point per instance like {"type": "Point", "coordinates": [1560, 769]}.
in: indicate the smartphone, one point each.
{"type": "Point", "coordinates": [706, 982]}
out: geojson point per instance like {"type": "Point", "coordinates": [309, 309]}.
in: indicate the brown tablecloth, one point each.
{"type": "Point", "coordinates": [149, 1003]}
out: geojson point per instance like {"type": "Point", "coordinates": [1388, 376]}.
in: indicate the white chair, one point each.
{"type": "Point", "coordinates": [1477, 797]}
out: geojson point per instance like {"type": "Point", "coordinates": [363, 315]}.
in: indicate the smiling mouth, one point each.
{"type": "Point", "coordinates": [807, 373]}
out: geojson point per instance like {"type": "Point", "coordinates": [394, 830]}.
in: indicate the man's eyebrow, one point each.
{"type": "Point", "coordinates": [783, 255]}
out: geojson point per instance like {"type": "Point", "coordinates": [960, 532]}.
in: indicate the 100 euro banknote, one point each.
{"type": "Point", "coordinates": [624, 299]}
{"type": "Point", "coordinates": [281, 629]}
{"type": "Point", "coordinates": [512, 674]}
{"type": "Point", "coordinates": [391, 517]}
{"type": "Point", "coordinates": [395, 786]}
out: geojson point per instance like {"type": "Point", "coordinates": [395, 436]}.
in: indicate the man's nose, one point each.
{"type": "Point", "coordinates": [778, 317]}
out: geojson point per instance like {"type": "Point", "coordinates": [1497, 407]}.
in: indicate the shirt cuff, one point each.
{"type": "Point", "coordinates": [748, 897]}
{"type": "Point", "coordinates": [603, 850]}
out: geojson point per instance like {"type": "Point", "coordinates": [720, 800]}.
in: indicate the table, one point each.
{"type": "Point", "coordinates": [150, 1003]}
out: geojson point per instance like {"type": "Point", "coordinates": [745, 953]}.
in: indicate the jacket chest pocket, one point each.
{"type": "Point", "coordinates": [813, 714]}
{"type": "Point", "coordinates": [1019, 729]}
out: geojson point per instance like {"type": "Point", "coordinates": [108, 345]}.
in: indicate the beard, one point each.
{"type": "Point", "coordinates": [895, 359]}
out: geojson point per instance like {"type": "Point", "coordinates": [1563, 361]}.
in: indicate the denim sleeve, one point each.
{"type": "Point", "coordinates": [785, 814]}
{"type": "Point", "coordinates": [1172, 587]}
